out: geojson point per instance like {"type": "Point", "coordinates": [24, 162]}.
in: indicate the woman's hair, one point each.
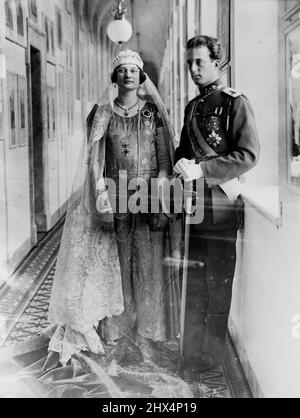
{"type": "Point", "coordinates": [211, 43]}
{"type": "Point", "coordinates": [114, 76]}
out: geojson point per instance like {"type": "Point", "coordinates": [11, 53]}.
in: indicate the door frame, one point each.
{"type": "Point", "coordinates": [37, 39]}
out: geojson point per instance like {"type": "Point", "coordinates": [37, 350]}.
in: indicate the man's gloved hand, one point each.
{"type": "Point", "coordinates": [295, 167]}
{"type": "Point", "coordinates": [188, 169]}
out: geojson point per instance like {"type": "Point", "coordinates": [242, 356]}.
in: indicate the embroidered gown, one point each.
{"type": "Point", "coordinates": [150, 291]}
{"type": "Point", "coordinates": [150, 285]}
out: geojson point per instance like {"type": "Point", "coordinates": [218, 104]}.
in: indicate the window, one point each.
{"type": "Point", "coordinates": [293, 87]}
{"type": "Point", "coordinates": [290, 93]}
{"type": "Point", "coordinates": [9, 14]}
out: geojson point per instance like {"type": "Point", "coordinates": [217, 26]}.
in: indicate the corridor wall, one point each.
{"type": "Point", "coordinates": [39, 152]}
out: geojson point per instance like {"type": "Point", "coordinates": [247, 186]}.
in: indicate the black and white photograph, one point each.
{"type": "Point", "coordinates": [149, 201]}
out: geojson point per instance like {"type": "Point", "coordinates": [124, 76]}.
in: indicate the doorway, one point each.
{"type": "Point", "coordinates": [37, 141]}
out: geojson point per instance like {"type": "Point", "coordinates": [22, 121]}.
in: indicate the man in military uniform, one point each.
{"type": "Point", "coordinates": [218, 143]}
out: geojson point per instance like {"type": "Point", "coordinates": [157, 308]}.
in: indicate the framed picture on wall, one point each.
{"type": "Point", "coordinates": [49, 30]}
{"type": "Point", "coordinates": [61, 109]}
{"type": "Point", "coordinates": [1, 111]}
{"type": "Point", "coordinates": [9, 17]}
{"type": "Point", "coordinates": [51, 107]}
{"type": "Point", "coordinates": [20, 18]}
{"type": "Point", "coordinates": [224, 21]}
{"type": "Point", "coordinates": [12, 92]}
{"type": "Point", "coordinates": [197, 18]}
{"type": "Point", "coordinates": [290, 6]}
{"type": "Point", "coordinates": [22, 111]}
{"type": "Point", "coordinates": [59, 27]}
{"type": "Point", "coordinates": [68, 6]}
{"type": "Point", "coordinates": [33, 9]}
{"type": "Point", "coordinates": [226, 75]}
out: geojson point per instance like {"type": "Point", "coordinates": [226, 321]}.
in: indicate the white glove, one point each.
{"type": "Point", "coordinates": [188, 169]}
{"type": "Point", "coordinates": [295, 167]}
{"type": "Point", "coordinates": [161, 181]}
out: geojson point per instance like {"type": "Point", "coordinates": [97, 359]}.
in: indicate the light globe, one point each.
{"type": "Point", "coordinates": [119, 30]}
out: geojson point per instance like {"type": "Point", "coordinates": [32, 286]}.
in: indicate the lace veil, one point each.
{"type": "Point", "coordinates": [87, 286]}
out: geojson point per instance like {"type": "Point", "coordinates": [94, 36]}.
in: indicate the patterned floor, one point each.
{"type": "Point", "coordinates": [226, 382]}
{"type": "Point", "coordinates": [19, 289]}
{"type": "Point", "coordinates": [34, 317]}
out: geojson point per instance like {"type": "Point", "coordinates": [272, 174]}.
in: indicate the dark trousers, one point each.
{"type": "Point", "coordinates": [211, 269]}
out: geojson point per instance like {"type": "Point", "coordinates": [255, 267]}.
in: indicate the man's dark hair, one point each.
{"type": "Point", "coordinates": [114, 76]}
{"type": "Point", "coordinates": [211, 43]}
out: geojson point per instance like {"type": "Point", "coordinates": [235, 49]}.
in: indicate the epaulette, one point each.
{"type": "Point", "coordinates": [232, 92]}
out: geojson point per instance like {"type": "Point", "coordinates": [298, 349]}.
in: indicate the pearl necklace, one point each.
{"type": "Point", "coordinates": [126, 109]}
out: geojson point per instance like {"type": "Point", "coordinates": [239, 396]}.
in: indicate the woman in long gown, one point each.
{"type": "Point", "coordinates": [137, 149]}
{"type": "Point", "coordinates": [115, 294]}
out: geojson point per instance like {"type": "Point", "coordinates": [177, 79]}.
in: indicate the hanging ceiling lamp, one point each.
{"type": "Point", "coordinates": [119, 30]}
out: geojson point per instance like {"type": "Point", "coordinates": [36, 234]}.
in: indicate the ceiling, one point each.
{"type": "Point", "coordinates": [149, 19]}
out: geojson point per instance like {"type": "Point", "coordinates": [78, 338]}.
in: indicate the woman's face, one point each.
{"type": "Point", "coordinates": [128, 77]}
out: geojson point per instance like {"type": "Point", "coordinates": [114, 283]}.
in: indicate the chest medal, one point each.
{"type": "Point", "coordinates": [125, 145]}
{"type": "Point", "coordinates": [213, 125]}
{"type": "Point", "coordinates": [146, 115]}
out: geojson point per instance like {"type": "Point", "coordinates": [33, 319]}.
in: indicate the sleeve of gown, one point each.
{"type": "Point", "coordinates": [94, 151]}
{"type": "Point", "coordinates": [163, 157]}
{"type": "Point", "coordinates": [89, 121]}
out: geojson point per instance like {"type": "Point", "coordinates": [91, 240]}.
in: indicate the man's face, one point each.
{"type": "Point", "coordinates": [128, 77]}
{"type": "Point", "coordinates": [203, 69]}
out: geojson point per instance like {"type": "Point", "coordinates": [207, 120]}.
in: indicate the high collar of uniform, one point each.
{"type": "Point", "coordinates": [208, 88]}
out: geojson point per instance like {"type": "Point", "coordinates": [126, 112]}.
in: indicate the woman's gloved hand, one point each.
{"type": "Point", "coordinates": [106, 222]}
{"type": "Point", "coordinates": [158, 222]}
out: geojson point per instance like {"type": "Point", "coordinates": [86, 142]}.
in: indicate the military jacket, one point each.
{"type": "Point", "coordinates": [220, 133]}
{"type": "Point", "coordinates": [226, 122]}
